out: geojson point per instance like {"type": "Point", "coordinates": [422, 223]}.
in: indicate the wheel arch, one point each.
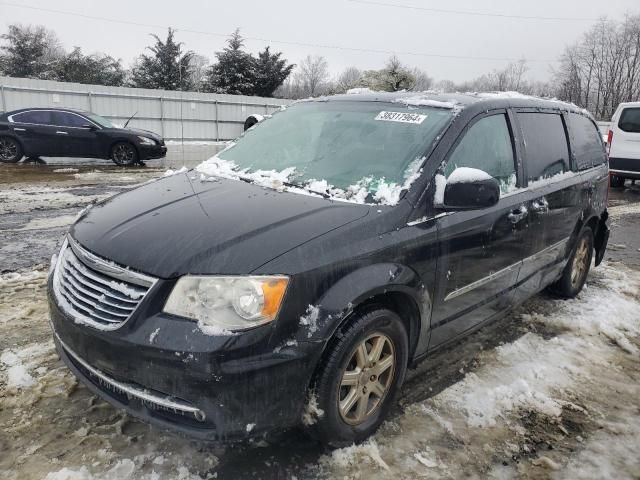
{"type": "Point", "coordinates": [16, 138]}
{"type": "Point", "coordinates": [115, 141]}
{"type": "Point", "coordinates": [389, 285]}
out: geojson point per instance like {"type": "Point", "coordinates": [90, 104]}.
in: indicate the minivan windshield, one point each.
{"type": "Point", "coordinates": [341, 143]}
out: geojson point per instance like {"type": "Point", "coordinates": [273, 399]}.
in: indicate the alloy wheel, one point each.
{"type": "Point", "coordinates": [366, 379]}
{"type": "Point", "coordinates": [123, 154]}
{"type": "Point", "coordinates": [580, 262]}
{"type": "Point", "coordinates": [8, 150]}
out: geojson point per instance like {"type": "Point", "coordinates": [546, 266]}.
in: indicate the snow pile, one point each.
{"type": "Point", "coordinates": [126, 290]}
{"type": "Point", "coordinates": [383, 192]}
{"type": "Point", "coordinates": [125, 469]}
{"type": "Point", "coordinates": [360, 91]}
{"type": "Point", "coordinates": [310, 320]}
{"type": "Point", "coordinates": [426, 101]}
{"type": "Point", "coordinates": [65, 170]}
{"type": "Point", "coordinates": [534, 378]}
{"type": "Point", "coordinates": [170, 172]}
{"type": "Point", "coordinates": [468, 175]}
{"type": "Point", "coordinates": [19, 365]}
{"type": "Point", "coordinates": [17, 374]}
{"type": "Point", "coordinates": [312, 412]}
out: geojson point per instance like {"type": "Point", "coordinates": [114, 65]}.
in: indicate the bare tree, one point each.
{"type": "Point", "coordinates": [351, 77]}
{"type": "Point", "coordinates": [422, 81]}
{"type": "Point", "coordinates": [313, 74]}
{"type": "Point", "coordinates": [198, 68]}
{"type": "Point", "coordinates": [603, 69]}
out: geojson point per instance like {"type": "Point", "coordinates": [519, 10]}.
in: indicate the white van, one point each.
{"type": "Point", "coordinates": [624, 144]}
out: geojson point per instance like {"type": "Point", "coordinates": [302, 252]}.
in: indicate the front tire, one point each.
{"type": "Point", "coordinates": [616, 182]}
{"type": "Point", "coordinates": [575, 273]}
{"type": "Point", "coordinates": [124, 154]}
{"type": "Point", "coordinates": [359, 377]}
{"type": "Point", "coordinates": [10, 150]}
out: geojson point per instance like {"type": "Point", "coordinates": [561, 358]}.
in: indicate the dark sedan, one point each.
{"type": "Point", "coordinates": [53, 132]}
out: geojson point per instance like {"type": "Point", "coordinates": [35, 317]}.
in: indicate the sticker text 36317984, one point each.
{"type": "Point", "coordinates": [402, 117]}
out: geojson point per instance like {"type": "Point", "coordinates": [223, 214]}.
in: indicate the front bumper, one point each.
{"type": "Point", "coordinates": [150, 152]}
{"type": "Point", "coordinates": [208, 388]}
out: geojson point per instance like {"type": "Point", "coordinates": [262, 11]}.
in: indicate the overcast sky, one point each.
{"type": "Point", "coordinates": [419, 37]}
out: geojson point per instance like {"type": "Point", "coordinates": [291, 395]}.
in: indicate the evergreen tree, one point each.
{"type": "Point", "coordinates": [271, 72]}
{"type": "Point", "coordinates": [167, 68]}
{"type": "Point", "coordinates": [97, 69]}
{"type": "Point", "coordinates": [29, 52]}
{"type": "Point", "coordinates": [235, 71]}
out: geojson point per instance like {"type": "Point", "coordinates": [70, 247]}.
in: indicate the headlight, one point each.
{"type": "Point", "coordinates": [146, 141]}
{"type": "Point", "coordinates": [227, 303]}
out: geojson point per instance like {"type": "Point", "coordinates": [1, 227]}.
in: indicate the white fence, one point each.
{"type": "Point", "coordinates": [174, 115]}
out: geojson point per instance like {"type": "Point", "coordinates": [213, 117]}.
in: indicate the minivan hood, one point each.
{"type": "Point", "coordinates": [180, 225]}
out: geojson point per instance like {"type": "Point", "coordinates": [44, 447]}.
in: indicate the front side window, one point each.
{"type": "Point", "coordinates": [487, 146]}
{"type": "Point", "coordinates": [346, 145]}
{"type": "Point", "coordinates": [65, 119]}
{"type": "Point", "coordinates": [586, 142]}
{"type": "Point", "coordinates": [35, 117]}
{"type": "Point", "coordinates": [630, 120]}
{"type": "Point", "coordinates": [545, 139]}
{"type": "Point", "coordinates": [103, 122]}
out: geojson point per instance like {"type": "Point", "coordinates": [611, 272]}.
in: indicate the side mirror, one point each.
{"type": "Point", "coordinates": [469, 189]}
{"type": "Point", "coordinates": [89, 127]}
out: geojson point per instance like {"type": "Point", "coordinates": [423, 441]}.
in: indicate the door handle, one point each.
{"type": "Point", "coordinates": [16, 129]}
{"type": "Point", "coordinates": [518, 214]}
{"type": "Point", "coordinates": [62, 133]}
{"type": "Point", "coordinates": [540, 205]}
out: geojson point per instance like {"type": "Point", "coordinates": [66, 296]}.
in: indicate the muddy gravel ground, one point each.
{"type": "Point", "coordinates": [550, 391]}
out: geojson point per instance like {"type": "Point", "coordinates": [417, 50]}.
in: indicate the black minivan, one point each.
{"type": "Point", "coordinates": [293, 278]}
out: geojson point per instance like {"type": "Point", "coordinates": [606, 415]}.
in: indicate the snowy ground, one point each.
{"type": "Point", "coordinates": [551, 391]}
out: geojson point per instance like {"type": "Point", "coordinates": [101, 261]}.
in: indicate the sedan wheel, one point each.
{"type": "Point", "coordinates": [10, 150]}
{"type": "Point", "coordinates": [124, 154]}
{"type": "Point", "coordinates": [367, 378]}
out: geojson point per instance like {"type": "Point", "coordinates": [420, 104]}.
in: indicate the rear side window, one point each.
{"type": "Point", "coordinates": [547, 151]}
{"type": "Point", "coordinates": [487, 146]}
{"type": "Point", "coordinates": [630, 120]}
{"type": "Point", "coordinates": [38, 117]}
{"type": "Point", "coordinates": [586, 142]}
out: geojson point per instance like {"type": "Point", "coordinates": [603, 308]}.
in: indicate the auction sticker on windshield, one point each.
{"type": "Point", "coordinates": [402, 117]}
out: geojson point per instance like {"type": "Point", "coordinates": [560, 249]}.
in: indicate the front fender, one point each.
{"type": "Point", "coordinates": [322, 320]}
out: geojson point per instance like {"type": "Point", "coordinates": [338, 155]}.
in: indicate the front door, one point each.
{"type": "Point", "coordinates": [80, 140]}
{"type": "Point", "coordinates": [480, 250]}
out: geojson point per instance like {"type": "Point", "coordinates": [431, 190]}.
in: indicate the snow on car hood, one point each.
{"type": "Point", "coordinates": [180, 224]}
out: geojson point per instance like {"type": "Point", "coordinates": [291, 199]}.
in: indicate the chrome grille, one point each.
{"type": "Point", "coordinates": [94, 291]}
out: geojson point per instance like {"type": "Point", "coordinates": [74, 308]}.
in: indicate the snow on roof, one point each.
{"type": "Point", "coordinates": [425, 101]}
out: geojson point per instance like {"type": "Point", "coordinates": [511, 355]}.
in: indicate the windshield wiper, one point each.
{"type": "Point", "coordinates": [296, 185]}
{"type": "Point", "coordinates": [288, 184]}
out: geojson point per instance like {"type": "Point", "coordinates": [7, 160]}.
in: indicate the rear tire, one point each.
{"type": "Point", "coordinates": [10, 150]}
{"type": "Point", "coordinates": [616, 182]}
{"type": "Point", "coordinates": [359, 377]}
{"type": "Point", "coordinates": [124, 154]}
{"type": "Point", "coordinates": [575, 272]}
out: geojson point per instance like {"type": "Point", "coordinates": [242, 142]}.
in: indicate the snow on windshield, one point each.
{"type": "Point", "coordinates": [368, 190]}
